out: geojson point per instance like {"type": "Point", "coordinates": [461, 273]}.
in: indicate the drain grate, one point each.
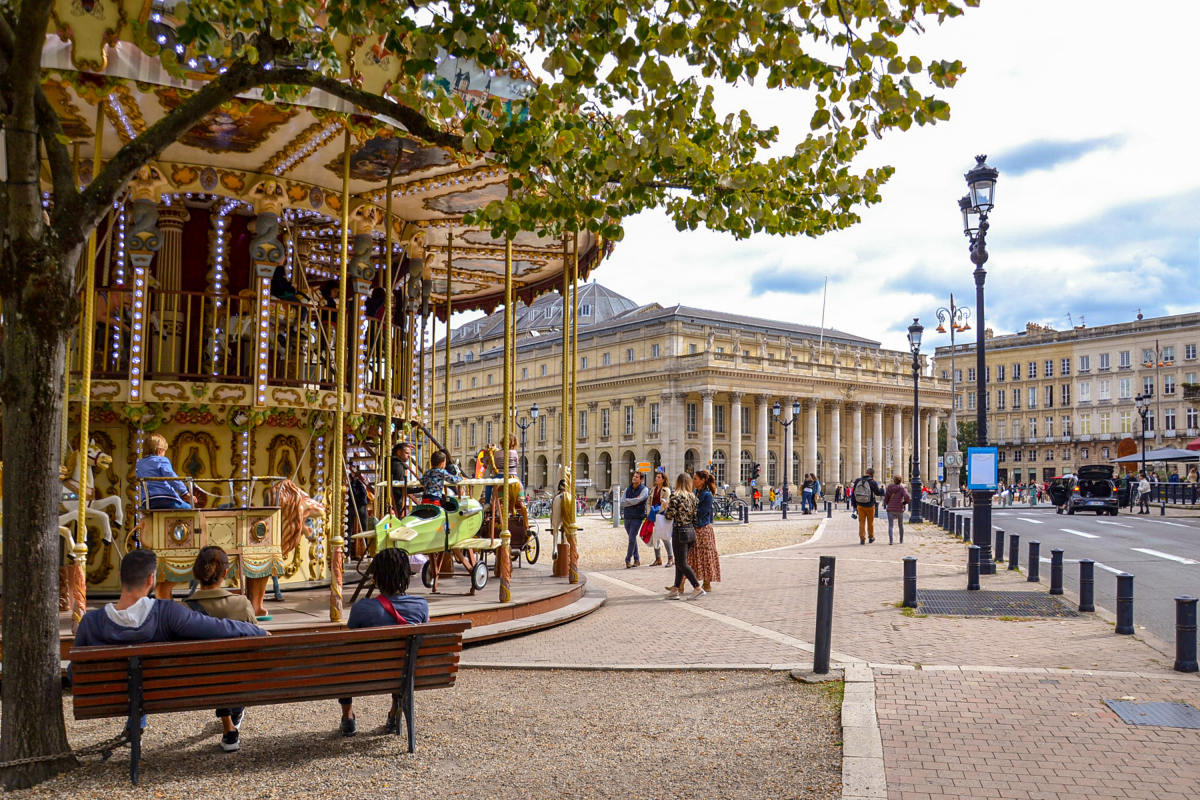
{"type": "Point", "coordinates": [1164, 715]}
{"type": "Point", "coordinates": [961, 603]}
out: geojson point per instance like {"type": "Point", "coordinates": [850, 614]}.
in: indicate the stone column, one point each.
{"type": "Point", "coordinates": [735, 439]}
{"type": "Point", "coordinates": [681, 446]}
{"type": "Point", "coordinates": [810, 437]}
{"type": "Point", "coordinates": [789, 433]}
{"type": "Point", "coordinates": [856, 444]}
{"type": "Point", "coordinates": [835, 444]}
{"type": "Point", "coordinates": [666, 427]}
{"type": "Point", "coordinates": [706, 431]}
{"type": "Point", "coordinates": [896, 466]}
{"type": "Point", "coordinates": [877, 440]}
{"type": "Point", "coordinates": [762, 405]}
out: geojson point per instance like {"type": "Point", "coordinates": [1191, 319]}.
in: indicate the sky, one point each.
{"type": "Point", "coordinates": [1087, 110]}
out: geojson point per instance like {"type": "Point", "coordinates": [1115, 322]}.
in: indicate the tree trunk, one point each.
{"type": "Point", "coordinates": [34, 363]}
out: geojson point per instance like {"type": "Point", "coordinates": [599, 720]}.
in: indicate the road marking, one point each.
{"type": "Point", "coordinates": [1118, 524]}
{"type": "Point", "coordinates": [1168, 556]}
{"type": "Point", "coordinates": [1109, 569]}
{"type": "Point", "coordinates": [1034, 521]}
{"type": "Point", "coordinates": [1080, 533]}
{"type": "Point", "coordinates": [1164, 522]}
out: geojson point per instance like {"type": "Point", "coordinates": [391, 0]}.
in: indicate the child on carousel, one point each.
{"type": "Point", "coordinates": [433, 482]}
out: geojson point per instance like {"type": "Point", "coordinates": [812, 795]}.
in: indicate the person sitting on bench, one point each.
{"type": "Point", "coordinates": [210, 569]}
{"type": "Point", "coordinates": [391, 607]}
{"type": "Point", "coordinates": [161, 494]}
{"type": "Point", "coordinates": [434, 481]}
{"type": "Point", "coordinates": [138, 618]}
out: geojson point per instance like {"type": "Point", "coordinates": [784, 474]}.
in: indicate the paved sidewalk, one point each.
{"type": "Point", "coordinates": [966, 706]}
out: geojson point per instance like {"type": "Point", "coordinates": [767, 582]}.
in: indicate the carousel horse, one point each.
{"type": "Point", "coordinates": [97, 511]}
{"type": "Point", "coordinates": [562, 513]}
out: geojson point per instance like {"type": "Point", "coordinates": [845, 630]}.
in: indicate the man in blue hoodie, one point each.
{"type": "Point", "coordinates": [138, 618]}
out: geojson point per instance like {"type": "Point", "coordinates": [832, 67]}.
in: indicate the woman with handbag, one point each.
{"type": "Point", "coordinates": [660, 526]}
{"type": "Point", "coordinates": [681, 510]}
{"type": "Point", "coordinates": [703, 557]}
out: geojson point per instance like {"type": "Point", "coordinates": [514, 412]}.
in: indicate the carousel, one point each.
{"type": "Point", "coordinates": [265, 297]}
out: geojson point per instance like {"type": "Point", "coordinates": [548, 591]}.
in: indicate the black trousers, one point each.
{"type": "Point", "coordinates": [682, 570]}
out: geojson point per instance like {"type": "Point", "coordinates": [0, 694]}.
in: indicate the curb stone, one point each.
{"type": "Point", "coordinates": [863, 776]}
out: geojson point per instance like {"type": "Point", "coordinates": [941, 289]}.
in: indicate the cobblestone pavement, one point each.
{"type": "Point", "coordinates": [963, 703]}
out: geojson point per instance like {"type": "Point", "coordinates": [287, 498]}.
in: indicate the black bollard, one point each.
{"type": "Point", "coordinates": [958, 526]}
{"type": "Point", "coordinates": [1087, 584]}
{"type": "Point", "coordinates": [824, 631]}
{"type": "Point", "coordinates": [1185, 634]}
{"type": "Point", "coordinates": [1056, 571]}
{"type": "Point", "coordinates": [973, 568]}
{"type": "Point", "coordinates": [1035, 562]}
{"type": "Point", "coordinates": [828, 509]}
{"type": "Point", "coordinates": [1125, 604]}
{"type": "Point", "coordinates": [1014, 551]}
{"type": "Point", "coordinates": [784, 507]}
{"type": "Point", "coordinates": [999, 548]}
{"type": "Point", "coordinates": [910, 581]}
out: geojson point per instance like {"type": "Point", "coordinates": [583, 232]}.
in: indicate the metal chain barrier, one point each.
{"type": "Point", "coordinates": [103, 749]}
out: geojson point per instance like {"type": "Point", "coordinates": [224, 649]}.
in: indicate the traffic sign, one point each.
{"type": "Point", "coordinates": [644, 466]}
{"type": "Point", "coordinates": [584, 482]}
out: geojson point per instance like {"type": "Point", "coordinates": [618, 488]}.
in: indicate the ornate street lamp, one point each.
{"type": "Point", "coordinates": [914, 343]}
{"type": "Point", "coordinates": [981, 198]}
{"type": "Point", "coordinates": [524, 426]}
{"type": "Point", "coordinates": [1143, 410]}
{"type": "Point", "coordinates": [958, 318]}
{"type": "Point", "coordinates": [787, 468]}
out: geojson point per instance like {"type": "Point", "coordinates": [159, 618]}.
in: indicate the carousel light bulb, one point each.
{"type": "Point", "coordinates": [162, 39]}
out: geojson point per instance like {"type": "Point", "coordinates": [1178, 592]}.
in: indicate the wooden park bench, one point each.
{"type": "Point", "coordinates": [132, 680]}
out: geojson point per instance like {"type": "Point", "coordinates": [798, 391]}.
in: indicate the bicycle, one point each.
{"type": "Point", "coordinates": [604, 505]}
{"type": "Point", "coordinates": [726, 507]}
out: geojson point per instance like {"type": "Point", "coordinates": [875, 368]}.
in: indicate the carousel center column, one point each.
{"type": "Point", "coordinates": [171, 219]}
{"type": "Point", "coordinates": [266, 253]}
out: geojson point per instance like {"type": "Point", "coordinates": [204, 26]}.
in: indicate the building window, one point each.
{"type": "Point", "coordinates": [1104, 361]}
{"type": "Point", "coordinates": [1169, 419]}
{"type": "Point", "coordinates": [1126, 422]}
{"type": "Point", "coordinates": [1064, 367]}
{"type": "Point", "coordinates": [1125, 389]}
{"type": "Point", "coordinates": [1105, 390]}
{"type": "Point", "coordinates": [1066, 426]}
{"type": "Point", "coordinates": [542, 428]}
{"type": "Point", "coordinates": [629, 419]}
{"type": "Point", "coordinates": [691, 349]}
{"type": "Point", "coordinates": [987, 374]}
{"type": "Point", "coordinates": [1018, 455]}
{"type": "Point", "coordinates": [457, 437]}
{"type": "Point", "coordinates": [691, 418]}
{"type": "Point", "coordinates": [1189, 378]}
{"type": "Point", "coordinates": [1147, 357]}
{"type": "Point", "coordinates": [1033, 427]}
{"type": "Point", "coordinates": [1191, 419]}
{"type": "Point", "coordinates": [1085, 392]}
{"type": "Point", "coordinates": [1000, 426]}
{"type": "Point", "coordinates": [772, 469]}
{"type": "Point", "coordinates": [1003, 458]}
{"type": "Point", "coordinates": [1105, 422]}
{"type": "Point", "coordinates": [958, 402]}
{"type": "Point", "coordinates": [543, 370]}
{"type": "Point", "coordinates": [718, 466]}
{"type": "Point", "coordinates": [1123, 359]}
{"type": "Point", "coordinates": [958, 376]}
{"type": "Point", "coordinates": [474, 382]}
{"type": "Point", "coordinates": [971, 375]}
{"type": "Point", "coordinates": [488, 433]}
{"type": "Point", "coordinates": [654, 351]}
{"type": "Point", "coordinates": [1032, 456]}
{"type": "Point", "coordinates": [720, 349]}
{"type": "Point", "coordinates": [1031, 370]}
{"type": "Point", "coordinates": [1150, 421]}
{"type": "Point", "coordinates": [1148, 386]}
{"type": "Point", "coordinates": [1168, 384]}
{"type": "Point", "coordinates": [653, 419]}
{"type": "Point", "coordinates": [629, 354]}
{"type": "Point", "coordinates": [1104, 452]}
{"type": "Point", "coordinates": [585, 310]}
{"type": "Point", "coordinates": [999, 372]}
{"type": "Point", "coordinates": [971, 400]}
{"type": "Point", "coordinates": [1016, 372]}
{"type": "Point", "coordinates": [470, 356]}
{"type": "Point", "coordinates": [747, 467]}
{"type": "Point", "coordinates": [458, 385]}
{"type": "Point", "coordinates": [472, 434]}
{"type": "Point", "coordinates": [1016, 399]}
{"type": "Point", "coordinates": [745, 421]}
{"type": "Point", "coordinates": [1001, 396]}
{"type": "Point", "coordinates": [524, 373]}
{"type": "Point", "coordinates": [1049, 456]}
{"type": "Point", "coordinates": [1085, 424]}
{"type": "Point", "coordinates": [606, 359]}
{"type": "Point", "coordinates": [489, 379]}
{"type": "Point", "coordinates": [1168, 356]}
{"type": "Point", "coordinates": [1085, 363]}
{"type": "Point", "coordinates": [1083, 453]}
{"type": "Point", "coordinates": [1189, 352]}
{"type": "Point", "coordinates": [1032, 392]}
{"type": "Point", "coordinates": [582, 432]}
{"type": "Point", "coordinates": [604, 423]}
{"type": "Point", "coordinates": [1066, 395]}
{"type": "Point", "coordinates": [1049, 397]}
{"type": "Point", "coordinates": [583, 363]}
{"type": "Point", "coordinates": [1048, 368]}
{"type": "Point", "coordinates": [1049, 426]}
{"type": "Point", "coordinates": [719, 419]}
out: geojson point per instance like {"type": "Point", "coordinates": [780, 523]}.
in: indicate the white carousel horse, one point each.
{"type": "Point", "coordinates": [97, 511]}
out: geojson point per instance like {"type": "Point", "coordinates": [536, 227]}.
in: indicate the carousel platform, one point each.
{"type": "Point", "coordinates": [540, 601]}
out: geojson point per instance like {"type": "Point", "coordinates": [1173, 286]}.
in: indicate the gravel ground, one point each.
{"type": "Point", "coordinates": [602, 546]}
{"type": "Point", "coordinates": [603, 734]}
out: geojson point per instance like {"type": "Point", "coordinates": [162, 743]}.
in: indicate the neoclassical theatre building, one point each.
{"type": "Point", "coordinates": [686, 388]}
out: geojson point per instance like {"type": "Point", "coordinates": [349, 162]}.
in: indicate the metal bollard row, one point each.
{"type": "Point", "coordinates": [1035, 562]}
{"type": "Point", "coordinates": [910, 581]}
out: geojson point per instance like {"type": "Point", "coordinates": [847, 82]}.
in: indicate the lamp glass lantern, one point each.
{"type": "Point", "coordinates": [533, 411]}
{"type": "Point", "coordinates": [795, 408]}
{"type": "Point", "coordinates": [775, 409]}
{"type": "Point", "coordinates": [981, 180]}
{"type": "Point", "coordinates": [914, 335]}
{"type": "Point", "coordinates": [969, 215]}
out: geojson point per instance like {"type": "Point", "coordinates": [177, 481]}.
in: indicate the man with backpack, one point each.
{"type": "Point", "coordinates": [865, 491]}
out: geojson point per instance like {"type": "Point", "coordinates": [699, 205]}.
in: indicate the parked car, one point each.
{"type": "Point", "coordinates": [1089, 488]}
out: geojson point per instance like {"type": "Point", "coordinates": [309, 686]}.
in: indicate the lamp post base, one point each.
{"type": "Point", "coordinates": [981, 529]}
{"type": "Point", "coordinates": [915, 503]}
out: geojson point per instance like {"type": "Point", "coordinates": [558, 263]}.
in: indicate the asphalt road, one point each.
{"type": "Point", "coordinates": [1162, 553]}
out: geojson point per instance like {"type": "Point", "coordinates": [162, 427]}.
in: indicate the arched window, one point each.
{"type": "Point", "coordinates": [655, 458]}
{"type": "Point", "coordinates": [604, 472]}
{"type": "Point", "coordinates": [718, 462]}
{"type": "Point", "coordinates": [470, 356]}
{"type": "Point", "coordinates": [772, 468]}
{"type": "Point", "coordinates": [747, 466]}
{"type": "Point", "coordinates": [820, 468]}
{"type": "Point", "coordinates": [583, 467]}
{"type": "Point", "coordinates": [689, 462]}
{"type": "Point", "coordinates": [795, 477]}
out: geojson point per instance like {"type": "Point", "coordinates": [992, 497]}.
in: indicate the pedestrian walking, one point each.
{"type": "Point", "coordinates": [865, 491]}
{"type": "Point", "coordinates": [633, 509]}
{"type": "Point", "coordinates": [895, 499]}
{"type": "Point", "coordinates": [1143, 489]}
{"type": "Point", "coordinates": [703, 558]}
{"type": "Point", "coordinates": [681, 510]}
{"type": "Point", "coordinates": [656, 504]}
{"type": "Point", "coordinates": [757, 498]}
{"type": "Point", "coordinates": [771, 497]}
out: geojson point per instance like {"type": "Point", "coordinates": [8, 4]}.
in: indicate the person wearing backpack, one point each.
{"type": "Point", "coordinates": [865, 491]}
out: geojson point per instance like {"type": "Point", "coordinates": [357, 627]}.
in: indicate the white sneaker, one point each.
{"type": "Point", "coordinates": [672, 595]}
{"type": "Point", "coordinates": [696, 595]}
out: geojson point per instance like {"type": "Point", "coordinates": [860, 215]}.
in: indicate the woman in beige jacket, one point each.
{"type": "Point", "coordinates": [660, 495]}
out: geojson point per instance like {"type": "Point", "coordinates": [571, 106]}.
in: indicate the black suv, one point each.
{"type": "Point", "coordinates": [1091, 488]}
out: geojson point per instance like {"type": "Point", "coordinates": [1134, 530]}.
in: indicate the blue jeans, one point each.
{"type": "Point", "coordinates": [806, 501]}
{"type": "Point", "coordinates": [163, 501]}
{"type": "Point", "coordinates": [632, 526]}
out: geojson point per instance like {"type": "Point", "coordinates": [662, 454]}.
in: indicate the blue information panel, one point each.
{"type": "Point", "coordinates": [982, 464]}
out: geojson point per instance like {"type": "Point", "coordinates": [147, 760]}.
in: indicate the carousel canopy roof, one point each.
{"type": "Point", "coordinates": [290, 156]}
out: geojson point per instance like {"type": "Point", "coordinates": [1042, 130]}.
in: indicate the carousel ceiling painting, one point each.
{"type": "Point", "coordinates": [252, 155]}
